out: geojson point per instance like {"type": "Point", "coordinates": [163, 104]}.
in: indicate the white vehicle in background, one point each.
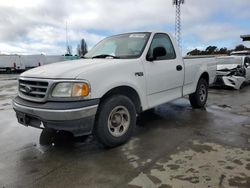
{"type": "Point", "coordinates": [17, 63]}
{"type": "Point", "coordinates": [32, 61]}
{"type": "Point", "coordinates": [241, 53]}
{"type": "Point", "coordinates": [120, 77]}
{"type": "Point", "coordinates": [10, 63]}
{"type": "Point", "coordinates": [233, 71]}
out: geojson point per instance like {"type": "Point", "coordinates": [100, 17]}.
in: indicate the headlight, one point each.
{"type": "Point", "coordinates": [71, 89]}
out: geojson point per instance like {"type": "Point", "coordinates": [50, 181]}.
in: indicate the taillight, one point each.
{"type": "Point", "coordinates": [14, 65]}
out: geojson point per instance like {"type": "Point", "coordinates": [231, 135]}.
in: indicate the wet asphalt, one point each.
{"type": "Point", "coordinates": [173, 146]}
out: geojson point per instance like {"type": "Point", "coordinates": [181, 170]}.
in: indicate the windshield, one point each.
{"type": "Point", "coordinates": [124, 46]}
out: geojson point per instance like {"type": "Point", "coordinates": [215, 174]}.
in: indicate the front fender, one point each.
{"type": "Point", "coordinates": [121, 73]}
{"type": "Point", "coordinates": [105, 88]}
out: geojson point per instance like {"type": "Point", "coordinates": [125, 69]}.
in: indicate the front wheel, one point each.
{"type": "Point", "coordinates": [199, 98]}
{"type": "Point", "coordinates": [116, 119]}
{"type": "Point", "coordinates": [47, 137]}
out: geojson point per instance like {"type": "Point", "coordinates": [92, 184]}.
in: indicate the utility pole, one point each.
{"type": "Point", "coordinates": [66, 36]}
{"type": "Point", "coordinates": [68, 47]}
{"type": "Point", "coordinates": [177, 4]}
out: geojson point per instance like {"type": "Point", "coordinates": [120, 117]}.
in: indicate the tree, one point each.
{"type": "Point", "coordinates": [223, 51]}
{"type": "Point", "coordinates": [68, 51]}
{"type": "Point", "coordinates": [240, 47]}
{"type": "Point", "coordinates": [194, 52]}
{"type": "Point", "coordinates": [78, 50]}
{"type": "Point", "coordinates": [211, 50]}
{"type": "Point", "coordinates": [84, 48]}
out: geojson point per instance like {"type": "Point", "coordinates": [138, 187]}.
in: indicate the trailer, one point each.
{"type": "Point", "coordinates": [10, 63]}
{"type": "Point", "coordinates": [19, 63]}
{"type": "Point", "coordinates": [32, 61]}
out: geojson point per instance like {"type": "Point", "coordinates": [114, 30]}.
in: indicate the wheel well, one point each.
{"type": "Point", "coordinates": [205, 76]}
{"type": "Point", "coordinates": [126, 91]}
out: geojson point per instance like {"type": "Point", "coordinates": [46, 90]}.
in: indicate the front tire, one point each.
{"type": "Point", "coordinates": [116, 120]}
{"type": "Point", "coordinates": [47, 137]}
{"type": "Point", "coordinates": [199, 98]}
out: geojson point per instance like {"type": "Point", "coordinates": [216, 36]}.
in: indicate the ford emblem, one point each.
{"type": "Point", "coordinates": [28, 89]}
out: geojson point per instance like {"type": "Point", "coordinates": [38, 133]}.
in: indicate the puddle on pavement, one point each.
{"type": "Point", "coordinates": [247, 126]}
{"type": "Point", "coordinates": [202, 165]}
{"type": "Point", "coordinates": [133, 159]}
{"type": "Point", "coordinates": [221, 107]}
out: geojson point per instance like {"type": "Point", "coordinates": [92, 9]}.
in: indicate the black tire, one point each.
{"type": "Point", "coordinates": [199, 98]}
{"type": "Point", "coordinates": [8, 70]}
{"type": "Point", "coordinates": [107, 131]}
{"type": "Point", "coordinates": [47, 137]}
{"type": "Point", "coordinates": [145, 116]}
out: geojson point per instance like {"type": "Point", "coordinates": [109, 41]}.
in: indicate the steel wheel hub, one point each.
{"type": "Point", "coordinates": [118, 121]}
{"type": "Point", "coordinates": [203, 93]}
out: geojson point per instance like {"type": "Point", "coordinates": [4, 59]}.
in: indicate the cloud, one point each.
{"type": "Point", "coordinates": [215, 31]}
{"type": "Point", "coordinates": [41, 23]}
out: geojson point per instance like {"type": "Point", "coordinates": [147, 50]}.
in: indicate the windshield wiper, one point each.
{"type": "Point", "coordinates": [105, 55]}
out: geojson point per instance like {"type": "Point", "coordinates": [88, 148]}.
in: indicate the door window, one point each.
{"type": "Point", "coordinates": [162, 40]}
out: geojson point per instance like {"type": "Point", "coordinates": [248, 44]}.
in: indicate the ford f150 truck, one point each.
{"type": "Point", "coordinates": [103, 93]}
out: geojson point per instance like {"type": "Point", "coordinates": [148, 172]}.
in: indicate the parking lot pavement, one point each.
{"type": "Point", "coordinates": [173, 146]}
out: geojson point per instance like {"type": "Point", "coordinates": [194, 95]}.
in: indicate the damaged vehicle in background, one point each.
{"type": "Point", "coordinates": [232, 71]}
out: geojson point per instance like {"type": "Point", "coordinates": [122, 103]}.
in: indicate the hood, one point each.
{"type": "Point", "coordinates": [227, 66]}
{"type": "Point", "coordinates": [67, 69]}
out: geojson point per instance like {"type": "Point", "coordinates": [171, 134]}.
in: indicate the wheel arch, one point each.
{"type": "Point", "coordinates": [205, 75]}
{"type": "Point", "coordinates": [127, 91]}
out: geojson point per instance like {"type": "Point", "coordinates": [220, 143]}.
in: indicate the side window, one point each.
{"type": "Point", "coordinates": [162, 40]}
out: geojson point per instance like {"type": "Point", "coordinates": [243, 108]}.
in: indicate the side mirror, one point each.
{"type": "Point", "coordinates": [157, 52]}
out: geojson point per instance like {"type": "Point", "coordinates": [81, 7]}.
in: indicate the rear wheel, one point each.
{"type": "Point", "coordinates": [116, 119]}
{"type": "Point", "coordinates": [199, 98]}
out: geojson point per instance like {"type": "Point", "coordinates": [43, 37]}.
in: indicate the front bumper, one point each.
{"type": "Point", "coordinates": [77, 117]}
{"type": "Point", "coordinates": [229, 81]}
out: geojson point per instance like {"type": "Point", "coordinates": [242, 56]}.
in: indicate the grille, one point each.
{"type": "Point", "coordinates": [33, 89]}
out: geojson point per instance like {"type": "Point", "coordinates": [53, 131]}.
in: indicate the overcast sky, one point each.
{"type": "Point", "coordinates": [38, 26]}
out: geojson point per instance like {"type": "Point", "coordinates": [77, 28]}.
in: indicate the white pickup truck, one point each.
{"type": "Point", "coordinates": [103, 93]}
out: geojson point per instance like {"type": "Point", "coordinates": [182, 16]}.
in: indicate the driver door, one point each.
{"type": "Point", "coordinates": [164, 75]}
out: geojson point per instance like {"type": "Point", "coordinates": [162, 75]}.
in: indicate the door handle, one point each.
{"type": "Point", "coordinates": [139, 74]}
{"type": "Point", "coordinates": [178, 67]}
